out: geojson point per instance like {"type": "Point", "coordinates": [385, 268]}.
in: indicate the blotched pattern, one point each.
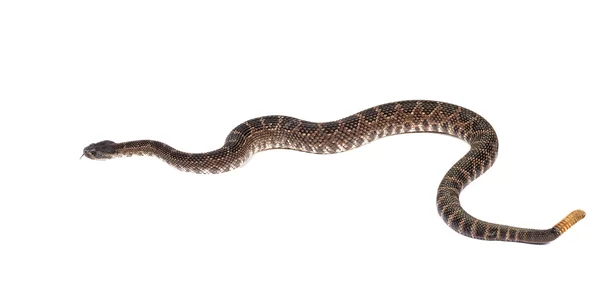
{"type": "Point", "coordinates": [272, 132]}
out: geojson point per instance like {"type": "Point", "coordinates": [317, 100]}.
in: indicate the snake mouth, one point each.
{"type": "Point", "coordinates": [94, 155]}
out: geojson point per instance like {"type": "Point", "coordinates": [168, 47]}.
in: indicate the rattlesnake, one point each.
{"type": "Point", "coordinates": [414, 116]}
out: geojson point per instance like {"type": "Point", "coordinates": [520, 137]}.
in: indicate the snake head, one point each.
{"type": "Point", "coordinates": [101, 150]}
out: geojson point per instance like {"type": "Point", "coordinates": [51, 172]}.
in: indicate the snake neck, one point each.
{"type": "Point", "coordinates": [188, 162]}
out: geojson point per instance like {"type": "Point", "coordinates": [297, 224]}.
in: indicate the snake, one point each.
{"type": "Point", "coordinates": [411, 116]}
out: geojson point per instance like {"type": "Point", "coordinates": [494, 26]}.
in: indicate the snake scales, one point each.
{"type": "Point", "coordinates": [272, 132]}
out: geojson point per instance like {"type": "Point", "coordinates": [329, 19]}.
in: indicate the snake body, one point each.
{"type": "Point", "coordinates": [414, 116]}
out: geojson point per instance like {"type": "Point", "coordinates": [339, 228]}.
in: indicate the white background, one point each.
{"type": "Point", "coordinates": [292, 227]}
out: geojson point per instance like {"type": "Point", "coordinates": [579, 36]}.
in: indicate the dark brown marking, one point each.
{"type": "Point", "coordinates": [307, 128]}
{"type": "Point", "coordinates": [370, 115]}
{"type": "Point", "coordinates": [330, 128]}
{"type": "Point", "coordinates": [255, 123]}
{"type": "Point", "coordinates": [388, 110]}
{"type": "Point", "coordinates": [428, 107]}
{"type": "Point", "coordinates": [351, 123]}
{"type": "Point", "coordinates": [408, 107]}
{"type": "Point", "coordinates": [271, 122]}
{"type": "Point", "coordinates": [289, 124]}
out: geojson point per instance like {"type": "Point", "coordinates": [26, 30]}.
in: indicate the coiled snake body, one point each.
{"type": "Point", "coordinates": [272, 132]}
